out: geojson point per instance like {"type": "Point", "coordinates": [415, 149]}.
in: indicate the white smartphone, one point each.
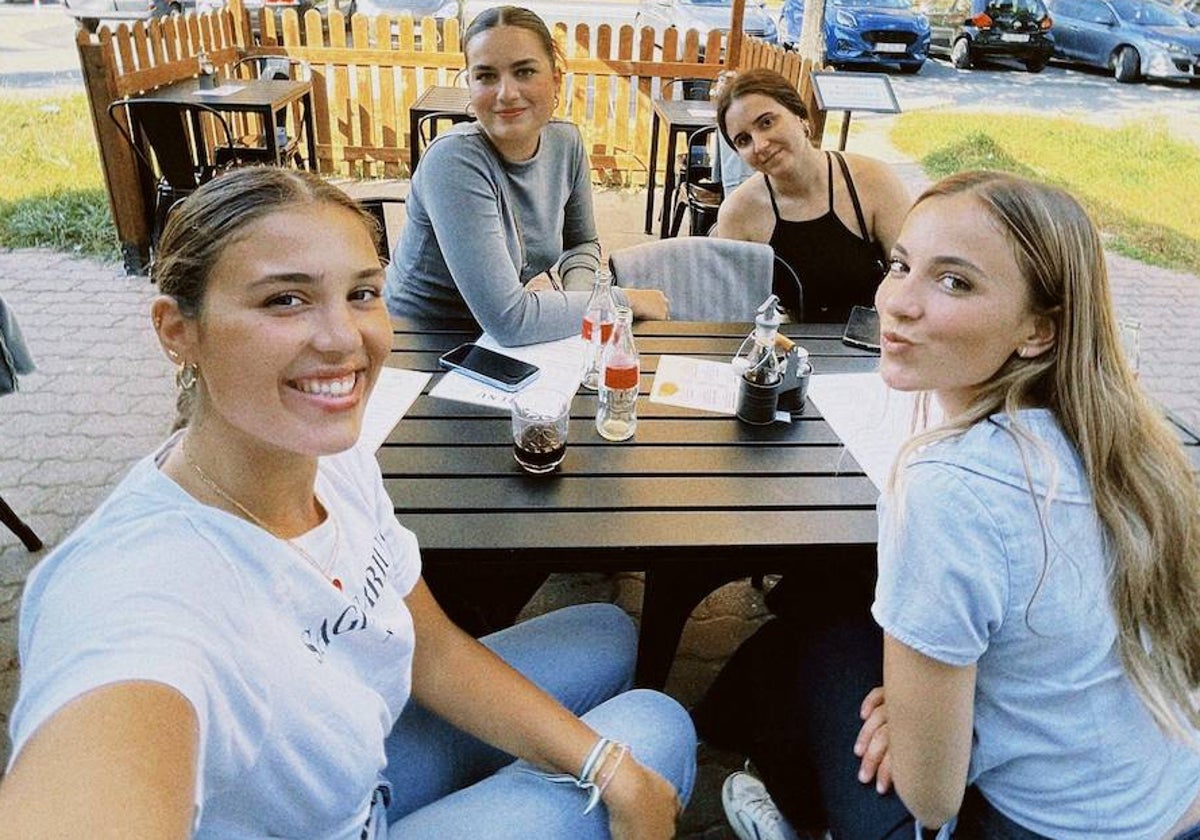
{"type": "Point", "coordinates": [489, 367]}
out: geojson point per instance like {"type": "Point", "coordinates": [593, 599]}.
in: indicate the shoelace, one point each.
{"type": "Point", "coordinates": [761, 812]}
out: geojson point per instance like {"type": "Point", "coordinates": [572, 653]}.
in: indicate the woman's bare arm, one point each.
{"type": "Point", "coordinates": [117, 762]}
{"type": "Point", "coordinates": [930, 712]}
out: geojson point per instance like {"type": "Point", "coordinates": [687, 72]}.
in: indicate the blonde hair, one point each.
{"type": "Point", "coordinates": [1142, 484]}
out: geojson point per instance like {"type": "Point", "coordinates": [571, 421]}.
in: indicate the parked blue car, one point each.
{"type": "Point", "coordinates": [864, 32]}
{"type": "Point", "coordinates": [1131, 38]}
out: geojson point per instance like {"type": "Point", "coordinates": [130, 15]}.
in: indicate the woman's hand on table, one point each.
{"type": "Point", "coordinates": [641, 804]}
{"type": "Point", "coordinates": [648, 304]}
{"type": "Point", "coordinates": [872, 743]}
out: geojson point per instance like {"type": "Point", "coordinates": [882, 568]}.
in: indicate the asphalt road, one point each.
{"type": "Point", "coordinates": [37, 52]}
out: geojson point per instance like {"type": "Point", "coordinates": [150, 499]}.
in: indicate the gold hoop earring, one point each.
{"type": "Point", "coordinates": [186, 377]}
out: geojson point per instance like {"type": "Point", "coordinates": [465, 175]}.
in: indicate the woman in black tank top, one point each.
{"type": "Point", "coordinates": [833, 227]}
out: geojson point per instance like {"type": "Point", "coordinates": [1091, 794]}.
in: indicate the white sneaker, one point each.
{"type": "Point", "coordinates": [751, 811]}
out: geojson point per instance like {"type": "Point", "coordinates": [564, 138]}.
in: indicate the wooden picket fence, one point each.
{"type": "Point", "coordinates": [367, 76]}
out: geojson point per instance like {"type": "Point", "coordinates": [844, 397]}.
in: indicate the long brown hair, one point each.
{"type": "Point", "coordinates": [1143, 486]}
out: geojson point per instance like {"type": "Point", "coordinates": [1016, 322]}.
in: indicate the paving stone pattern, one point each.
{"type": "Point", "coordinates": [103, 397]}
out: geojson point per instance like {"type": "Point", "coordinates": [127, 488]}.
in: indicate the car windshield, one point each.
{"type": "Point", "coordinates": [1147, 14]}
{"type": "Point", "coordinates": [1011, 7]}
{"type": "Point", "coordinates": [873, 4]}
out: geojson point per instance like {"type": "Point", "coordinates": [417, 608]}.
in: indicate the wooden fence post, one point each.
{"type": "Point", "coordinates": [126, 196]}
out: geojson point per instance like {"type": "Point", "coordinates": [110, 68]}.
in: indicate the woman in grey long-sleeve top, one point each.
{"type": "Point", "coordinates": [506, 200]}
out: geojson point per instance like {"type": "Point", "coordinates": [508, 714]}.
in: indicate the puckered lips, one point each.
{"type": "Point", "coordinates": [894, 342]}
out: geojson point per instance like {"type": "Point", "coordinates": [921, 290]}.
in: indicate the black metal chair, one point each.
{"type": "Point", "coordinates": [686, 87]}
{"type": "Point", "coordinates": [429, 125]}
{"type": "Point", "coordinates": [174, 157]}
{"type": "Point", "coordinates": [377, 206]}
{"type": "Point", "coordinates": [699, 192]}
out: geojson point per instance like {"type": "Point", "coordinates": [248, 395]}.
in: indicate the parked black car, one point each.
{"type": "Point", "coordinates": [967, 30]}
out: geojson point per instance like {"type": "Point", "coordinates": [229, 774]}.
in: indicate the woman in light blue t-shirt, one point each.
{"type": "Point", "coordinates": [1039, 562]}
{"type": "Point", "coordinates": [1039, 582]}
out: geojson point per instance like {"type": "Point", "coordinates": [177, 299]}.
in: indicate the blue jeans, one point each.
{"type": "Point", "coordinates": [446, 783]}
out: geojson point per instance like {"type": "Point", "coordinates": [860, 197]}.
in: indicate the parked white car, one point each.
{"type": "Point", "coordinates": [91, 13]}
{"type": "Point", "coordinates": [705, 16]}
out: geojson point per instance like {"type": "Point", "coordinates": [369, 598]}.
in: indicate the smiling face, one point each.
{"type": "Point", "coordinates": [764, 133]}
{"type": "Point", "coordinates": [292, 333]}
{"type": "Point", "coordinates": [954, 306]}
{"type": "Point", "coordinates": [513, 83]}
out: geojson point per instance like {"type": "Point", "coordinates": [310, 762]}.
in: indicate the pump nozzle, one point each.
{"type": "Point", "coordinates": [767, 314]}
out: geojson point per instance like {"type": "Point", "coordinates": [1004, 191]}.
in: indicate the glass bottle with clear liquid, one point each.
{"type": "Point", "coordinates": [616, 417]}
{"type": "Point", "coordinates": [601, 310]}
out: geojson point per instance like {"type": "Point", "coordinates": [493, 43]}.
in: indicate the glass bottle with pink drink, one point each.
{"type": "Point", "coordinates": [601, 310]}
{"type": "Point", "coordinates": [616, 417]}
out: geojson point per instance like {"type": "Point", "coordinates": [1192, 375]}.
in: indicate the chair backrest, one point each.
{"type": "Point", "coordinates": [705, 278]}
{"type": "Point", "coordinates": [168, 130]}
{"type": "Point", "coordinates": [274, 67]}
{"type": "Point", "coordinates": [686, 87]}
{"type": "Point", "coordinates": [377, 205]}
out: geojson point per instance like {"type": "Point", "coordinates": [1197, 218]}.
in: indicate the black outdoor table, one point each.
{"type": "Point", "coordinates": [694, 500]}
{"type": "Point", "coordinates": [262, 97]}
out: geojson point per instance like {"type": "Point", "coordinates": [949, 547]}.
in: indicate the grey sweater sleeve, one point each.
{"type": "Point", "coordinates": [479, 228]}
{"type": "Point", "coordinates": [579, 261]}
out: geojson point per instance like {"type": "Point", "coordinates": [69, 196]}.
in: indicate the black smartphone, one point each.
{"type": "Point", "coordinates": [489, 367]}
{"type": "Point", "coordinates": [862, 328]}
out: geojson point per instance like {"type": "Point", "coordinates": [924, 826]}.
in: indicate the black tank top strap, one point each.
{"type": "Point", "coordinates": [862, 222]}
{"type": "Point", "coordinates": [829, 175]}
{"type": "Point", "coordinates": [771, 194]}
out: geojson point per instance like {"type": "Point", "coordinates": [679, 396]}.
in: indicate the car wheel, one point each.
{"type": "Point", "coordinates": [175, 8]}
{"type": "Point", "coordinates": [90, 24]}
{"type": "Point", "coordinates": [1036, 64]}
{"type": "Point", "coordinates": [960, 54]}
{"type": "Point", "coordinates": [912, 69]}
{"type": "Point", "coordinates": [1126, 65]}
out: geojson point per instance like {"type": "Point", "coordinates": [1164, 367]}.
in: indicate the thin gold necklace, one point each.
{"type": "Point", "coordinates": [249, 514]}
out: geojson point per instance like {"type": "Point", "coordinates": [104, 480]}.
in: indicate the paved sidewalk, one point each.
{"type": "Point", "coordinates": [104, 396]}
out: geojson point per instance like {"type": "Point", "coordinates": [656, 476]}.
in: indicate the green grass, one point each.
{"type": "Point", "coordinates": [51, 190]}
{"type": "Point", "coordinates": [1137, 183]}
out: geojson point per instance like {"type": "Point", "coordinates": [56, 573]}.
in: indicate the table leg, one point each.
{"type": "Point", "coordinates": [672, 592]}
{"type": "Point", "coordinates": [652, 169]}
{"type": "Point", "coordinates": [272, 139]}
{"type": "Point", "coordinates": [669, 182]}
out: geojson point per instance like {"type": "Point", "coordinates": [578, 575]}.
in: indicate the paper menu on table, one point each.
{"type": "Point", "coordinates": [695, 383]}
{"type": "Point", "coordinates": [872, 420]}
{"type": "Point", "coordinates": [560, 366]}
{"type": "Point", "coordinates": [394, 393]}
